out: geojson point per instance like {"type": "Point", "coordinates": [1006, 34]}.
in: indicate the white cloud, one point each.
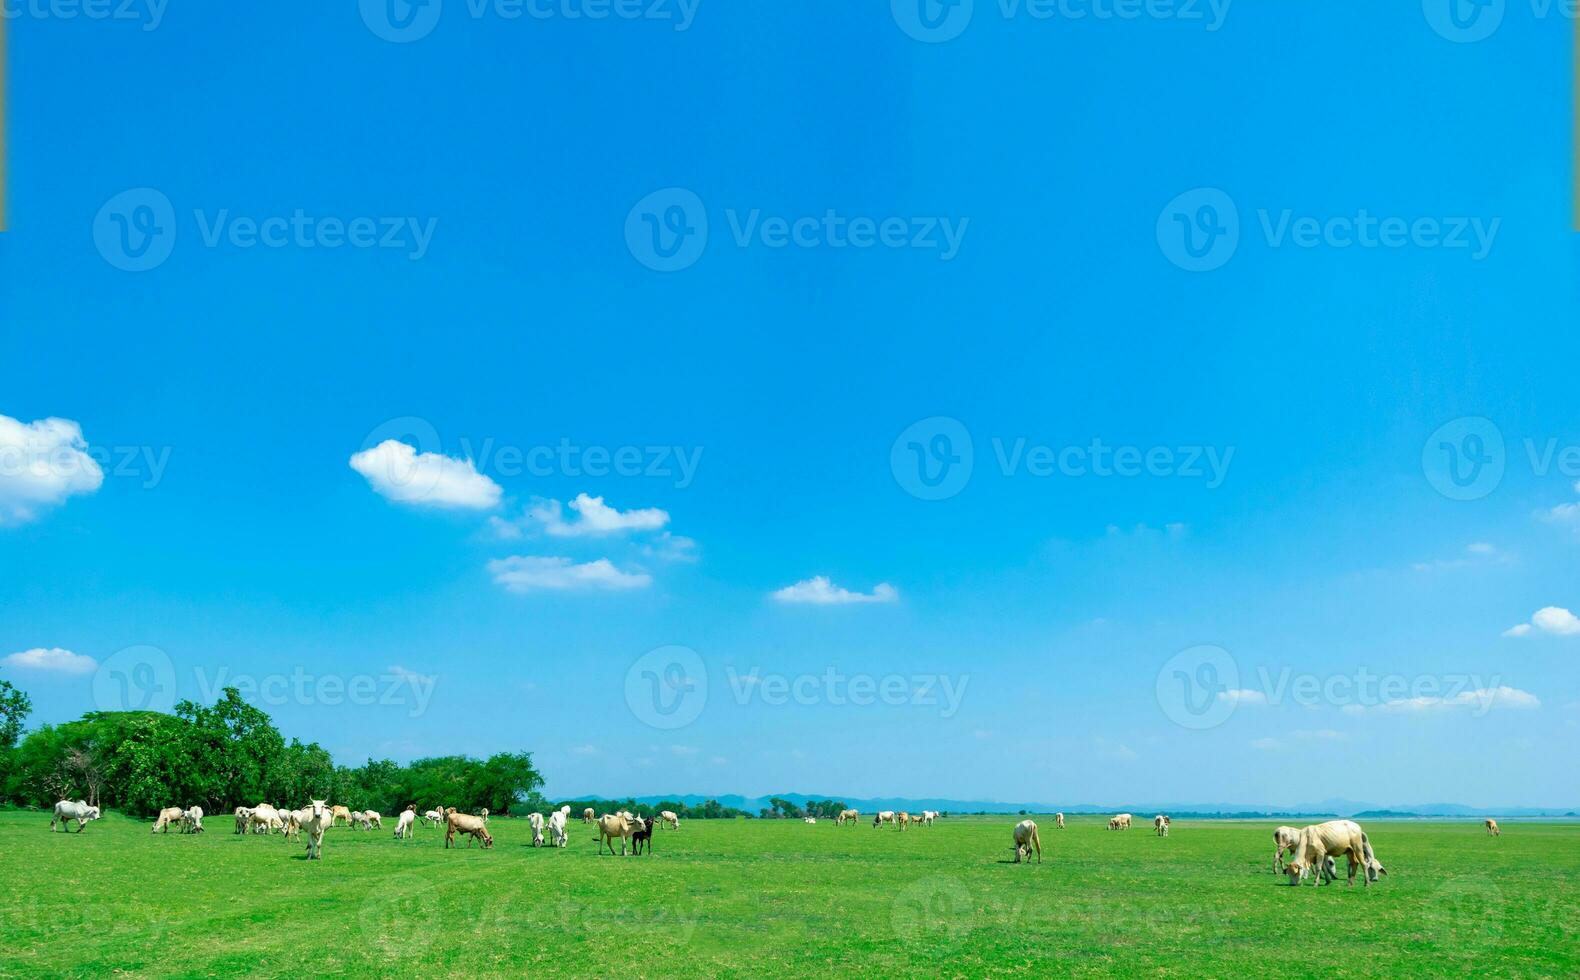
{"type": "Point", "coordinates": [1476, 554]}
{"type": "Point", "coordinates": [503, 529]}
{"type": "Point", "coordinates": [672, 547]}
{"type": "Point", "coordinates": [54, 659]}
{"type": "Point", "coordinates": [41, 464]}
{"type": "Point", "coordinates": [1551, 619]}
{"type": "Point", "coordinates": [819, 591]}
{"type": "Point", "coordinates": [1482, 699]}
{"type": "Point", "coordinates": [1243, 696]}
{"type": "Point", "coordinates": [397, 471]}
{"type": "Point", "coordinates": [1267, 744]}
{"type": "Point", "coordinates": [1566, 513]}
{"type": "Point", "coordinates": [596, 518]}
{"type": "Point", "coordinates": [527, 574]}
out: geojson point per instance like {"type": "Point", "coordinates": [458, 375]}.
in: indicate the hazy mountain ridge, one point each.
{"type": "Point", "coordinates": [1330, 807]}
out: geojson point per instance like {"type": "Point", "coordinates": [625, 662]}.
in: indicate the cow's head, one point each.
{"type": "Point", "coordinates": [320, 808]}
{"type": "Point", "coordinates": [1296, 870]}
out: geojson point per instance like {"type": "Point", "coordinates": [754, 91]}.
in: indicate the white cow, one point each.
{"type": "Point", "coordinates": [1160, 824]}
{"type": "Point", "coordinates": [1058, 821]}
{"type": "Point", "coordinates": [1027, 839]}
{"type": "Point", "coordinates": [927, 817]}
{"type": "Point", "coordinates": [882, 817]}
{"type": "Point", "coordinates": [434, 816]}
{"type": "Point", "coordinates": [79, 811]}
{"type": "Point", "coordinates": [1492, 828]}
{"type": "Point", "coordinates": [1320, 842]}
{"type": "Point", "coordinates": [169, 815]}
{"type": "Point", "coordinates": [265, 819]}
{"type": "Point", "coordinates": [371, 819]}
{"type": "Point", "coordinates": [557, 826]}
{"type": "Point", "coordinates": [1284, 839]}
{"type": "Point", "coordinates": [319, 819]}
{"type": "Point", "coordinates": [670, 817]}
{"type": "Point", "coordinates": [192, 821]}
{"type": "Point", "coordinates": [243, 818]}
{"type": "Point", "coordinates": [407, 821]}
{"type": "Point", "coordinates": [809, 820]}
{"type": "Point", "coordinates": [357, 821]}
{"type": "Point", "coordinates": [536, 820]}
{"type": "Point", "coordinates": [848, 816]}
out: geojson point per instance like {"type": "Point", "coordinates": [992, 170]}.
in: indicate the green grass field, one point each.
{"type": "Point", "coordinates": [781, 898]}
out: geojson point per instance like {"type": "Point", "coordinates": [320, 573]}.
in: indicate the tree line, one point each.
{"type": "Point", "coordinates": [226, 755]}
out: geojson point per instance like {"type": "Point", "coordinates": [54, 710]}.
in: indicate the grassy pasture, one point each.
{"type": "Point", "coordinates": [781, 898]}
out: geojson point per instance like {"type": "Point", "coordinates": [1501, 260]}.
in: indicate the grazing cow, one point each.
{"type": "Point", "coordinates": [338, 813]}
{"type": "Point", "coordinates": [587, 815]}
{"type": "Point", "coordinates": [1318, 842]}
{"type": "Point", "coordinates": [169, 815]}
{"type": "Point", "coordinates": [406, 823]}
{"type": "Point", "coordinates": [373, 817]}
{"type": "Point", "coordinates": [1058, 821]}
{"type": "Point", "coordinates": [883, 817]}
{"type": "Point", "coordinates": [927, 817]}
{"type": "Point", "coordinates": [320, 817]}
{"type": "Point", "coordinates": [670, 818]}
{"type": "Point", "coordinates": [643, 835]}
{"type": "Point", "coordinates": [192, 821]}
{"type": "Point", "coordinates": [79, 811]}
{"type": "Point", "coordinates": [1160, 825]}
{"type": "Point", "coordinates": [1026, 839]}
{"type": "Point", "coordinates": [1284, 839]}
{"type": "Point", "coordinates": [557, 830]}
{"type": "Point", "coordinates": [1492, 828]}
{"type": "Point", "coordinates": [465, 823]}
{"type": "Point", "coordinates": [356, 822]}
{"type": "Point", "coordinates": [904, 819]}
{"type": "Point", "coordinates": [1121, 822]}
{"type": "Point", "coordinates": [434, 816]}
{"type": "Point", "coordinates": [536, 820]}
{"type": "Point", "coordinates": [610, 826]}
{"type": "Point", "coordinates": [848, 816]}
{"type": "Point", "coordinates": [264, 818]}
{"type": "Point", "coordinates": [243, 817]}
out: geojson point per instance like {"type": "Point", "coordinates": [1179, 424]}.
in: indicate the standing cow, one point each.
{"type": "Point", "coordinates": [1027, 840]}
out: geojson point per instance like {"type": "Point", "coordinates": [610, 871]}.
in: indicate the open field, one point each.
{"type": "Point", "coordinates": [781, 898]}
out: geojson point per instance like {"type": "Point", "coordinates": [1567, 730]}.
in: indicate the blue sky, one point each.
{"type": "Point", "coordinates": [1402, 262]}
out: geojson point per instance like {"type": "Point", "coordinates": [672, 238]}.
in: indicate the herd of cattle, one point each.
{"type": "Point", "coordinates": [1311, 851]}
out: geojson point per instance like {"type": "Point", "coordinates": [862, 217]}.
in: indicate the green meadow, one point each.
{"type": "Point", "coordinates": [783, 898]}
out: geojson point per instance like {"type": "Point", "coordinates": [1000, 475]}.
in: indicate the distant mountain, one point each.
{"type": "Point", "coordinates": [1321, 808]}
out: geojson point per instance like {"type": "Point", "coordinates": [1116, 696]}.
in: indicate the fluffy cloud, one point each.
{"type": "Point", "coordinates": [54, 659]}
{"type": "Point", "coordinates": [1566, 513]}
{"type": "Point", "coordinates": [397, 471]}
{"type": "Point", "coordinates": [41, 464]}
{"type": "Point", "coordinates": [1483, 700]}
{"type": "Point", "coordinates": [594, 518]}
{"type": "Point", "coordinates": [529, 574]}
{"type": "Point", "coordinates": [671, 547]}
{"type": "Point", "coordinates": [819, 591]}
{"type": "Point", "coordinates": [1552, 619]}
